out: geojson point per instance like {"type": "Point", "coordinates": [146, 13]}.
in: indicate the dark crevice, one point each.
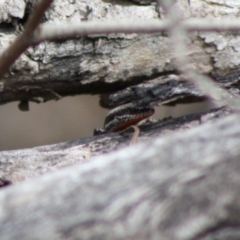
{"type": "Point", "coordinates": [18, 91]}
{"type": "Point", "coordinates": [27, 13]}
{"type": "Point", "coordinates": [221, 231]}
{"type": "Point", "coordinates": [4, 183]}
{"type": "Point", "coordinates": [7, 27]}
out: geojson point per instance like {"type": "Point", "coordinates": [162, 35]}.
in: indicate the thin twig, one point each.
{"type": "Point", "coordinates": [22, 42]}
{"type": "Point", "coordinates": [50, 32]}
{"type": "Point", "coordinates": [179, 32]}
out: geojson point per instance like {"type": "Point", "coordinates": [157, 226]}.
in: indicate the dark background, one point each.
{"type": "Point", "coordinates": [67, 119]}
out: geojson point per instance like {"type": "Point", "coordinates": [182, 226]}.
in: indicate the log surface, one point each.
{"type": "Point", "coordinates": [106, 63]}
{"type": "Point", "coordinates": [181, 181]}
{"type": "Point", "coordinates": [183, 186]}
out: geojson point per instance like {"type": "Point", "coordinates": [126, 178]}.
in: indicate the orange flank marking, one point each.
{"type": "Point", "coordinates": [129, 123]}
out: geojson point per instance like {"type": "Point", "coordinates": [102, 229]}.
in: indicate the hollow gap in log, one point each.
{"type": "Point", "coordinates": [67, 119]}
{"type": "Point", "coordinates": [181, 109]}
{"type": "Point", "coordinates": [51, 122]}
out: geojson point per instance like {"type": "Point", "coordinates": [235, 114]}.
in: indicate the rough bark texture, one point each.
{"type": "Point", "coordinates": [99, 64]}
{"type": "Point", "coordinates": [180, 182]}
{"type": "Point", "coordinates": [23, 164]}
{"type": "Point", "coordinates": [184, 186]}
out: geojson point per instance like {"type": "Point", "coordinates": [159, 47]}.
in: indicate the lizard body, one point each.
{"type": "Point", "coordinates": [124, 116]}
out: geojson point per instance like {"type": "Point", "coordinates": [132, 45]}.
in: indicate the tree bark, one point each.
{"type": "Point", "coordinates": [180, 182]}
{"type": "Point", "coordinates": [182, 186]}
{"type": "Point", "coordinates": [19, 165]}
{"type": "Point", "coordinates": [106, 63]}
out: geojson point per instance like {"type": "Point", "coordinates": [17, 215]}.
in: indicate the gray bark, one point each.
{"type": "Point", "coordinates": [99, 64]}
{"type": "Point", "coordinates": [19, 165]}
{"type": "Point", "coordinates": [182, 186]}
{"type": "Point", "coordinates": [180, 182]}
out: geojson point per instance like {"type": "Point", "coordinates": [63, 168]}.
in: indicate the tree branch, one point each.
{"type": "Point", "coordinates": [22, 42]}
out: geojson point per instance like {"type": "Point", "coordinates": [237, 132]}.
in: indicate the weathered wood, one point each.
{"type": "Point", "coordinates": [180, 182]}
{"type": "Point", "coordinates": [170, 89]}
{"type": "Point", "coordinates": [18, 165]}
{"type": "Point", "coordinates": [183, 186]}
{"type": "Point", "coordinates": [98, 64]}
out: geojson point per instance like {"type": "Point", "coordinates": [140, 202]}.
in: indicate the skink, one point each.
{"type": "Point", "coordinates": [124, 116]}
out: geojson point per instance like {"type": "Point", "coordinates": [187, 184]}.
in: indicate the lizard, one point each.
{"type": "Point", "coordinates": [124, 116]}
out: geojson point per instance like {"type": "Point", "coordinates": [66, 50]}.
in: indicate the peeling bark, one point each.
{"type": "Point", "coordinates": [100, 64]}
